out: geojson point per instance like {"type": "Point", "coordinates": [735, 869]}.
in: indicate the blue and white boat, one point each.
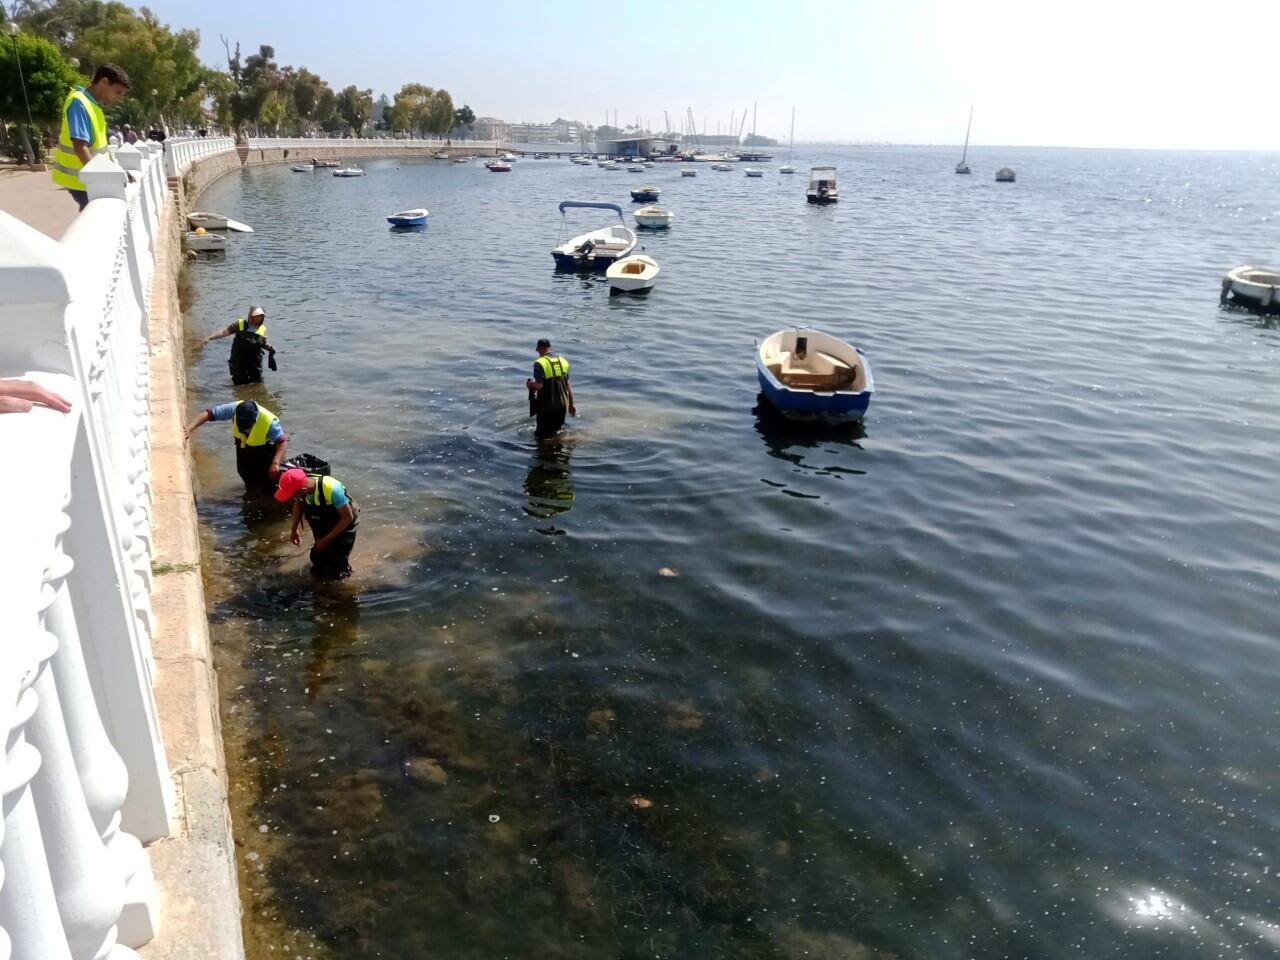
{"type": "Point", "coordinates": [644, 194]}
{"type": "Point", "coordinates": [599, 248]}
{"type": "Point", "coordinates": [809, 374]}
{"type": "Point", "coordinates": [409, 218]}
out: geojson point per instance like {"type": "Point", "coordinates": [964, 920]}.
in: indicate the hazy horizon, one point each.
{"type": "Point", "coordinates": [1138, 75]}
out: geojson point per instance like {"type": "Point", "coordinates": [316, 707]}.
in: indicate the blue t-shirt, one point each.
{"type": "Point", "coordinates": [78, 123]}
{"type": "Point", "coordinates": [227, 411]}
{"type": "Point", "coordinates": [337, 493]}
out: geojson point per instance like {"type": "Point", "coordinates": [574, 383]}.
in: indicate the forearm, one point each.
{"type": "Point", "coordinates": [281, 447]}
{"type": "Point", "coordinates": [82, 150]}
{"type": "Point", "coordinates": [202, 418]}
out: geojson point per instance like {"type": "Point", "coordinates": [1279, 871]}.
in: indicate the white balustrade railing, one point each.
{"type": "Point", "coordinates": [327, 143]}
{"type": "Point", "coordinates": [179, 155]}
{"type": "Point", "coordinates": [83, 775]}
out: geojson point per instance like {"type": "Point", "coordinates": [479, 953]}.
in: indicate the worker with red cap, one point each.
{"type": "Point", "coordinates": [330, 512]}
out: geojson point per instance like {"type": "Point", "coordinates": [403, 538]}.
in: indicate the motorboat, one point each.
{"type": "Point", "coordinates": [722, 167]}
{"type": "Point", "coordinates": [753, 172]}
{"type": "Point", "coordinates": [1257, 288]}
{"type": "Point", "coordinates": [409, 218]}
{"type": "Point", "coordinates": [303, 168]}
{"type": "Point", "coordinates": [598, 249]}
{"type": "Point", "coordinates": [654, 218]}
{"type": "Point", "coordinates": [688, 173]}
{"type": "Point", "coordinates": [609, 165]}
{"type": "Point", "coordinates": [635, 168]}
{"type": "Point", "coordinates": [216, 221]}
{"type": "Point", "coordinates": [348, 172]}
{"type": "Point", "coordinates": [498, 166]}
{"type": "Point", "coordinates": [807, 373]}
{"type": "Point", "coordinates": [1006, 175]}
{"type": "Point", "coordinates": [508, 157]}
{"type": "Point", "coordinates": [786, 168]}
{"type": "Point", "coordinates": [202, 241]}
{"type": "Point", "coordinates": [822, 185]}
{"type": "Point", "coordinates": [634, 274]}
{"type": "Point", "coordinates": [604, 163]}
{"type": "Point", "coordinates": [648, 164]}
{"type": "Point", "coordinates": [440, 156]}
{"type": "Point", "coordinates": [327, 164]}
{"type": "Point", "coordinates": [644, 194]}
{"type": "Point", "coordinates": [461, 159]}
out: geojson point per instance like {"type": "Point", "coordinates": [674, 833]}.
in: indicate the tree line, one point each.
{"type": "Point", "coordinates": [60, 42]}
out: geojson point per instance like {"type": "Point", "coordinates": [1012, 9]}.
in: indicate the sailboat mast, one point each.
{"type": "Point", "coordinates": [791, 149]}
{"type": "Point", "coordinates": [967, 128]}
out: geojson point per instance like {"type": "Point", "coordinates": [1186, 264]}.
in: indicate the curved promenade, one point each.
{"type": "Point", "coordinates": [116, 834]}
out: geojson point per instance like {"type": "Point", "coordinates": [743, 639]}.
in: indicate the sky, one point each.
{"type": "Point", "coordinates": [1180, 74]}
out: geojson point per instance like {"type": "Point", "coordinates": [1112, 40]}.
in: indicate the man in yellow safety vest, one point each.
{"type": "Point", "coordinates": [260, 440]}
{"type": "Point", "coordinates": [550, 393]}
{"type": "Point", "coordinates": [84, 128]}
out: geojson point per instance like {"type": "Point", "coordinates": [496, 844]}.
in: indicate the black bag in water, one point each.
{"type": "Point", "coordinates": [308, 462]}
{"type": "Point", "coordinates": [533, 403]}
{"type": "Point", "coordinates": [271, 360]}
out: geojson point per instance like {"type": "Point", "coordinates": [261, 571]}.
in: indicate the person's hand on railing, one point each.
{"type": "Point", "coordinates": [19, 396]}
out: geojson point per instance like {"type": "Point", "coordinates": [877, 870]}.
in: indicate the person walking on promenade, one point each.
{"type": "Point", "coordinates": [248, 346]}
{"type": "Point", "coordinates": [84, 128]}
{"type": "Point", "coordinates": [550, 393]}
{"type": "Point", "coordinates": [330, 513]}
{"type": "Point", "coordinates": [260, 440]}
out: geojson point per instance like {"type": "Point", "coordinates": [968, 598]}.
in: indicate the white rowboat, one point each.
{"type": "Point", "coordinates": [216, 221]}
{"type": "Point", "coordinates": [1257, 288]}
{"type": "Point", "coordinates": [635, 274]}
{"type": "Point", "coordinates": [654, 218]}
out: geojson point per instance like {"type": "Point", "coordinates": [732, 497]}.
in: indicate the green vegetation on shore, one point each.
{"type": "Point", "coordinates": [61, 42]}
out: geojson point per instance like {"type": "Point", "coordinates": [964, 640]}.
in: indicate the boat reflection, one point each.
{"type": "Point", "coordinates": [782, 435]}
{"type": "Point", "coordinates": [549, 483]}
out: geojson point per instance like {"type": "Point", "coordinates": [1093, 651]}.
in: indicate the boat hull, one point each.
{"type": "Point", "coordinates": [800, 403]}
{"type": "Point", "coordinates": [644, 196]}
{"type": "Point", "coordinates": [407, 221]}
{"type": "Point", "coordinates": [1254, 288]}
{"type": "Point", "coordinates": [822, 199]}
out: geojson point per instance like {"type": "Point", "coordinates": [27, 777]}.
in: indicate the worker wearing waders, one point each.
{"type": "Point", "coordinates": [248, 346]}
{"type": "Point", "coordinates": [330, 513]}
{"type": "Point", "coordinates": [260, 441]}
{"type": "Point", "coordinates": [550, 393]}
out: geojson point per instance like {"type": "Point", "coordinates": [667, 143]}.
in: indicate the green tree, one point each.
{"type": "Point", "coordinates": [411, 111]}
{"type": "Point", "coordinates": [33, 63]}
{"type": "Point", "coordinates": [440, 113]}
{"type": "Point", "coordinates": [307, 88]}
{"type": "Point", "coordinates": [463, 118]}
{"type": "Point", "coordinates": [355, 107]}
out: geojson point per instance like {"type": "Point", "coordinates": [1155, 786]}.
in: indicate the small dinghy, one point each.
{"type": "Point", "coordinates": [303, 168]}
{"type": "Point", "coordinates": [688, 173]}
{"type": "Point", "coordinates": [1256, 288]}
{"type": "Point", "coordinates": [807, 373]}
{"type": "Point", "coordinates": [327, 164]}
{"type": "Point", "coordinates": [722, 167]}
{"type": "Point", "coordinates": [654, 218]}
{"type": "Point", "coordinates": [635, 274]}
{"type": "Point", "coordinates": [598, 249]}
{"type": "Point", "coordinates": [753, 172]}
{"type": "Point", "coordinates": [498, 166]}
{"type": "Point", "coordinates": [440, 156]}
{"type": "Point", "coordinates": [635, 168]}
{"type": "Point", "coordinates": [649, 164]}
{"type": "Point", "coordinates": [348, 172]}
{"type": "Point", "coordinates": [461, 159]}
{"type": "Point", "coordinates": [409, 218]}
{"type": "Point", "coordinates": [202, 241]}
{"type": "Point", "coordinates": [215, 221]}
{"type": "Point", "coordinates": [1004, 175]}
{"type": "Point", "coordinates": [644, 194]}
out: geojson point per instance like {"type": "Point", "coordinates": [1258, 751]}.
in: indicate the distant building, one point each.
{"type": "Point", "coordinates": [490, 128]}
{"type": "Point", "coordinates": [758, 140]}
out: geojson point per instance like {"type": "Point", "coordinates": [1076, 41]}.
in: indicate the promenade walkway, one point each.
{"type": "Point", "coordinates": [32, 198]}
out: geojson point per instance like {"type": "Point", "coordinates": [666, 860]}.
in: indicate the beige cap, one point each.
{"type": "Point", "coordinates": [257, 312]}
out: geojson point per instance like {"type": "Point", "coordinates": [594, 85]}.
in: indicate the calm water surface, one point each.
{"type": "Point", "coordinates": [995, 678]}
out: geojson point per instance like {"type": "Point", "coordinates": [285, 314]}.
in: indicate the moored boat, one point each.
{"type": "Point", "coordinates": [326, 164]}
{"type": "Point", "coordinates": [644, 194]}
{"type": "Point", "coordinates": [963, 165]}
{"type": "Point", "coordinates": [409, 218]}
{"type": "Point", "coordinates": [754, 172]}
{"type": "Point", "coordinates": [1006, 175]}
{"type": "Point", "coordinates": [440, 156]}
{"type": "Point", "coordinates": [1257, 288]}
{"type": "Point", "coordinates": [687, 172]}
{"type": "Point", "coordinates": [808, 373]}
{"type": "Point", "coordinates": [597, 249]}
{"type": "Point", "coordinates": [303, 168]}
{"type": "Point", "coordinates": [654, 218]}
{"type": "Point", "coordinates": [722, 167]}
{"type": "Point", "coordinates": [348, 172]}
{"type": "Point", "coordinates": [822, 185]}
{"type": "Point", "coordinates": [635, 168]}
{"type": "Point", "coordinates": [498, 166]}
{"type": "Point", "coordinates": [461, 159]}
{"type": "Point", "coordinates": [215, 221]}
{"type": "Point", "coordinates": [634, 274]}
{"type": "Point", "coordinates": [204, 242]}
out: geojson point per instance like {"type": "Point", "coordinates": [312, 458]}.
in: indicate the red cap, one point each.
{"type": "Point", "coordinates": [291, 481]}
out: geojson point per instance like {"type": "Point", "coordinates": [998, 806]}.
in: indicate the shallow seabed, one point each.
{"type": "Point", "coordinates": [994, 677]}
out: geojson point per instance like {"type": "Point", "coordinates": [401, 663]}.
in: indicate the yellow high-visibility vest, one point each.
{"type": "Point", "coordinates": [553, 367]}
{"type": "Point", "coordinates": [261, 331]}
{"type": "Point", "coordinates": [66, 166]}
{"type": "Point", "coordinates": [258, 433]}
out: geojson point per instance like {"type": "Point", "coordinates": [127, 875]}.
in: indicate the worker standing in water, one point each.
{"type": "Point", "coordinates": [260, 440]}
{"type": "Point", "coordinates": [330, 513]}
{"type": "Point", "coordinates": [248, 346]}
{"type": "Point", "coordinates": [550, 393]}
